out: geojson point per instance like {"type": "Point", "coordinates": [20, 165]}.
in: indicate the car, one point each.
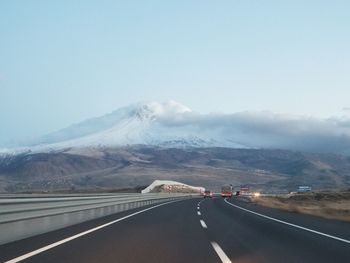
{"type": "Point", "coordinates": [208, 193]}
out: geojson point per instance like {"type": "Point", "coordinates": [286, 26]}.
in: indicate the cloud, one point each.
{"type": "Point", "coordinates": [157, 122]}
{"type": "Point", "coordinates": [270, 130]}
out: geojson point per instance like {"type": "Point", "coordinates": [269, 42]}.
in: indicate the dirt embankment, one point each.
{"type": "Point", "coordinates": [332, 205]}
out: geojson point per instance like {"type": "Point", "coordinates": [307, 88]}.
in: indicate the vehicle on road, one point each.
{"type": "Point", "coordinates": [208, 193]}
{"type": "Point", "coordinates": [227, 190]}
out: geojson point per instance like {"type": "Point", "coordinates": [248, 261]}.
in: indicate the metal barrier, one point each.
{"type": "Point", "coordinates": [23, 217]}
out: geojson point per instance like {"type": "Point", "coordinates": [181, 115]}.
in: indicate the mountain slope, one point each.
{"type": "Point", "coordinates": [172, 125]}
{"type": "Point", "coordinates": [271, 170]}
{"type": "Point", "coordinates": [137, 124]}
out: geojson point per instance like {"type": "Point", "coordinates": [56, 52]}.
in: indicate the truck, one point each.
{"type": "Point", "coordinates": [227, 190]}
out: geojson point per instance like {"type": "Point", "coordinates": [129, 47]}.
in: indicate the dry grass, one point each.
{"type": "Point", "coordinates": [330, 205]}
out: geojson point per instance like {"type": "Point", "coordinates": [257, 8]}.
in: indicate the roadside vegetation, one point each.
{"type": "Point", "coordinates": [327, 204]}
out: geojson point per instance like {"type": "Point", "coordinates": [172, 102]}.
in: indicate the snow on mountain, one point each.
{"type": "Point", "coordinates": [148, 123]}
{"type": "Point", "coordinates": [174, 125]}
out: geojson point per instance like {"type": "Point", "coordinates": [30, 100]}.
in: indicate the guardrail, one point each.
{"type": "Point", "coordinates": [22, 217]}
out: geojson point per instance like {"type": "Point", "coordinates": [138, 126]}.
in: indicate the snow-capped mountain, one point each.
{"type": "Point", "coordinates": [160, 124]}
{"type": "Point", "coordinates": [173, 125]}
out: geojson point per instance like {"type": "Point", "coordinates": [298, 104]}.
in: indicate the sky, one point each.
{"type": "Point", "coordinates": [65, 61]}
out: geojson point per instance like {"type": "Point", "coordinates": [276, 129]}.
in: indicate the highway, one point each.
{"type": "Point", "coordinates": [193, 230]}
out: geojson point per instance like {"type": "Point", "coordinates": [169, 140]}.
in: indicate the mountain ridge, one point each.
{"type": "Point", "coordinates": [173, 125]}
{"type": "Point", "coordinates": [131, 125]}
{"type": "Point", "coordinates": [131, 166]}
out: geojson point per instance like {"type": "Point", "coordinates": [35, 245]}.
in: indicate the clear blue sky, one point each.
{"type": "Point", "coordinates": [65, 61]}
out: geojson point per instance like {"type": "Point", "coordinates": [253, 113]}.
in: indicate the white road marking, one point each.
{"type": "Point", "coordinates": [203, 224]}
{"type": "Point", "coordinates": [40, 250]}
{"type": "Point", "coordinates": [290, 224]}
{"type": "Point", "coordinates": [200, 202]}
{"type": "Point", "coordinates": [198, 213]}
{"type": "Point", "coordinates": [224, 258]}
{"type": "Point", "coordinates": [198, 207]}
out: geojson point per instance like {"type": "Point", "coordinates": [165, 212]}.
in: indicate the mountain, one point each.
{"type": "Point", "coordinates": [127, 167]}
{"type": "Point", "coordinates": [138, 144]}
{"type": "Point", "coordinates": [173, 125]}
{"type": "Point", "coordinates": [144, 124]}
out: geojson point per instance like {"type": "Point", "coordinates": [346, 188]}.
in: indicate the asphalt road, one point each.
{"type": "Point", "coordinates": [215, 231]}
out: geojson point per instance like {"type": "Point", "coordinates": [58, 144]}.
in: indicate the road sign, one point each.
{"type": "Point", "coordinates": [244, 188]}
{"type": "Point", "coordinates": [304, 188]}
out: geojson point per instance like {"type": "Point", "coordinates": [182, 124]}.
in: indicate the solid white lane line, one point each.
{"type": "Point", "coordinates": [40, 250]}
{"type": "Point", "coordinates": [203, 224]}
{"type": "Point", "coordinates": [290, 224]}
{"type": "Point", "coordinates": [198, 213]}
{"type": "Point", "coordinates": [224, 258]}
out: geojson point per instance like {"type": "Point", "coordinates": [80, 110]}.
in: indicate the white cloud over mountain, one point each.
{"type": "Point", "coordinates": [174, 125]}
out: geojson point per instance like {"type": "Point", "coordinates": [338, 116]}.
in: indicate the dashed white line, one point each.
{"type": "Point", "coordinates": [215, 245]}
{"type": "Point", "coordinates": [290, 224]}
{"type": "Point", "coordinates": [40, 250]}
{"type": "Point", "coordinates": [203, 224]}
{"type": "Point", "coordinates": [224, 258]}
{"type": "Point", "coordinates": [200, 202]}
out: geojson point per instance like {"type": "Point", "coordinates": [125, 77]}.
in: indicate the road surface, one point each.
{"type": "Point", "coordinates": [195, 230]}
